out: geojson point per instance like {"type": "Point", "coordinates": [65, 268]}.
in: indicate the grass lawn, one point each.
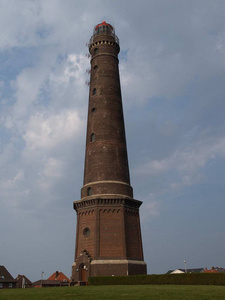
{"type": "Point", "coordinates": [167, 292]}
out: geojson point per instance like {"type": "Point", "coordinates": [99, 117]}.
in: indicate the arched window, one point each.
{"type": "Point", "coordinates": [86, 232]}
{"type": "Point", "coordinates": [92, 137]}
{"type": "Point", "coordinates": [89, 191]}
{"type": "Point", "coordinates": [95, 50]}
{"type": "Point", "coordinates": [94, 91]}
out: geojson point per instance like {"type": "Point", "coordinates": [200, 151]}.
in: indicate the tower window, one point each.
{"type": "Point", "coordinates": [95, 50]}
{"type": "Point", "coordinates": [95, 67]}
{"type": "Point", "coordinates": [94, 91]}
{"type": "Point", "coordinates": [86, 232]}
{"type": "Point", "coordinates": [93, 109]}
{"type": "Point", "coordinates": [92, 137]}
{"type": "Point", "coordinates": [89, 191]}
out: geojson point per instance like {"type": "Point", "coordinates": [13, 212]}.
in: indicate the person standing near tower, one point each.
{"type": "Point", "coordinates": [108, 237]}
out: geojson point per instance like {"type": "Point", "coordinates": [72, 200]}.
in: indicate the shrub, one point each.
{"type": "Point", "coordinates": [186, 278]}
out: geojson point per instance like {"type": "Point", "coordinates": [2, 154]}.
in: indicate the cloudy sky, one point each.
{"type": "Point", "coordinates": [172, 68]}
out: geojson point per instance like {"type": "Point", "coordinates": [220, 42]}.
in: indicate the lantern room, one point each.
{"type": "Point", "coordinates": [104, 29]}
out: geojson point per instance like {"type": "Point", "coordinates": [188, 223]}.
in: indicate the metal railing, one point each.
{"type": "Point", "coordinates": [107, 33]}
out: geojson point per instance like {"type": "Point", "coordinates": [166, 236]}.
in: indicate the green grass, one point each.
{"type": "Point", "coordinates": [173, 292]}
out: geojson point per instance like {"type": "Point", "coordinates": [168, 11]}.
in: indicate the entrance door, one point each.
{"type": "Point", "coordinates": [83, 273]}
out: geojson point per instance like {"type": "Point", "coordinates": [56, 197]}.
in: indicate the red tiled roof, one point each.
{"type": "Point", "coordinates": [59, 276]}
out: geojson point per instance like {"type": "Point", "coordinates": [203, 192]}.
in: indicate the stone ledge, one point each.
{"type": "Point", "coordinates": [117, 261]}
{"type": "Point", "coordinates": [107, 200]}
{"type": "Point", "coordinates": [105, 181]}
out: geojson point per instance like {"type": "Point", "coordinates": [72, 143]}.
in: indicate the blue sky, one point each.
{"type": "Point", "coordinates": [172, 69]}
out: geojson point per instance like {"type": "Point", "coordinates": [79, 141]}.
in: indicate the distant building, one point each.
{"type": "Point", "coordinates": [220, 270]}
{"type": "Point", "coordinates": [46, 283]}
{"type": "Point", "coordinates": [197, 270]}
{"type": "Point", "coordinates": [56, 279]}
{"type": "Point", "coordinates": [180, 271]}
{"type": "Point", "coordinates": [214, 270]}
{"type": "Point", "coordinates": [6, 279]}
{"type": "Point", "coordinates": [23, 282]}
{"type": "Point", "coordinates": [59, 276]}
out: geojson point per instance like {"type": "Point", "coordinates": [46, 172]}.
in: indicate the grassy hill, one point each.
{"type": "Point", "coordinates": [167, 292]}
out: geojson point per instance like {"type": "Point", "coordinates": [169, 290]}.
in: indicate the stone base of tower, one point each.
{"type": "Point", "coordinates": [84, 268]}
{"type": "Point", "coordinates": [108, 240]}
{"type": "Point", "coordinates": [117, 267]}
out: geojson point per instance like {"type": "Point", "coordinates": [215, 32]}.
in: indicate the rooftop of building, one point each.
{"type": "Point", "coordinates": [59, 276]}
{"type": "Point", "coordinates": [5, 276]}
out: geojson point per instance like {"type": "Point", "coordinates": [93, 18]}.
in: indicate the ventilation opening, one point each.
{"type": "Point", "coordinates": [92, 137]}
{"type": "Point", "coordinates": [89, 191]}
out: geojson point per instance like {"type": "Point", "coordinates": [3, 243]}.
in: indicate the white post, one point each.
{"type": "Point", "coordinates": [185, 266]}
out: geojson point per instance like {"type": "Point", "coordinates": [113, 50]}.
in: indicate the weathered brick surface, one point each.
{"type": "Point", "coordinates": [133, 235]}
{"type": "Point", "coordinates": [107, 188]}
{"type": "Point", "coordinates": [106, 157]}
{"type": "Point", "coordinates": [111, 234]}
{"type": "Point", "coordinates": [109, 270]}
{"type": "Point", "coordinates": [87, 219]}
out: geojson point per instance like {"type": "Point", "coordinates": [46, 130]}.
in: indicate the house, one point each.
{"type": "Point", "coordinates": [46, 283]}
{"type": "Point", "coordinates": [56, 279]}
{"type": "Point", "coordinates": [197, 270]}
{"type": "Point", "coordinates": [23, 282]}
{"type": "Point", "coordinates": [219, 269]}
{"type": "Point", "coordinates": [59, 276]}
{"type": "Point", "coordinates": [6, 279]}
{"type": "Point", "coordinates": [214, 270]}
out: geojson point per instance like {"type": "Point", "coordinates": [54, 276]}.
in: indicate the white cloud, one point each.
{"type": "Point", "coordinates": [10, 184]}
{"type": "Point", "coordinates": [188, 162]}
{"type": "Point", "coordinates": [1, 87]}
{"type": "Point", "coordinates": [48, 131]}
{"type": "Point", "coordinates": [53, 168]}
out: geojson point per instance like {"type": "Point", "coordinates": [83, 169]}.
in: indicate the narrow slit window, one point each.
{"type": "Point", "coordinates": [89, 191]}
{"type": "Point", "coordinates": [92, 137]}
{"type": "Point", "coordinates": [94, 91]}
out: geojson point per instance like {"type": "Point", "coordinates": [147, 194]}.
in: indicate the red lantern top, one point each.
{"type": "Point", "coordinates": [103, 23]}
{"type": "Point", "coordinates": [104, 29]}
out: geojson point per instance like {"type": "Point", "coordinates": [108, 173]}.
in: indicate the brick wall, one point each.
{"type": "Point", "coordinates": [111, 233]}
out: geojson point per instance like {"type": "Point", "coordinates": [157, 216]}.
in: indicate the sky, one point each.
{"type": "Point", "coordinates": [172, 71]}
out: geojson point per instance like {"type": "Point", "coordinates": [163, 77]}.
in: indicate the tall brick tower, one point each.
{"type": "Point", "coordinates": [108, 238]}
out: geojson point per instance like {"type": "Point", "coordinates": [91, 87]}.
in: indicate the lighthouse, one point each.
{"type": "Point", "coordinates": [108, 233]}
